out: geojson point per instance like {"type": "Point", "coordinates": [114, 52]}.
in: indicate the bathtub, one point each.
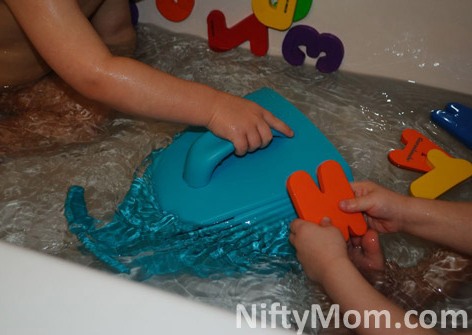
{"type": "Point", "coordinates": [425, 41]}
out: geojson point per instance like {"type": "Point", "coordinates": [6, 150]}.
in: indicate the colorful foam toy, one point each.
{"type": "Point", "coordinates": [175, 11]}
{"type": "Point", "coordinates": [313, 204]}
{"type": "Point", "coordinates": [196, 207]}
{"type": "Point", "coordinates": [413, 155]}
{"type": "Point", "coordinates": [254, 28]}
{"type": "Point", "coordinates": [302, 9]}
{"type": "Point", "coordinates": [442, 172]}
{"type": "Point", "coordinates": [446, 173]}
{"type": "Point", "coordinates": [279, 16]}
{"type": "Point", "coordinates": [457, 120]}
{"type": "Point", "coordinates": [201, 169]}
{"type": "Point", "coordinates": [134, 11]}
{"type": "Point", "coordinates": [222, 38]}
{"type": "Point", "coordinates": [315, 44]}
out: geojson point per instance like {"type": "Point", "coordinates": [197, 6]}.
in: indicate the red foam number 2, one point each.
{"type": "Point", "coordinates": [222, 38]}
{"type": "Point", "coordinates": [313, 204]}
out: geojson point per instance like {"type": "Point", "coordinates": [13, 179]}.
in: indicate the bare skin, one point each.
{"type": "Point", "coordinates": [327, 259]}
{"type": "Point", "coordinates": [37, 108]}
{"type": "Point", "coordinates": [74, 39]}
{"type": "Point", "coordinates": [443, 222]}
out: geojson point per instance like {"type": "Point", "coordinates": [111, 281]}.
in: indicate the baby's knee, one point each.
{"type": "Point", "coordinates": [113, 23]}
{"type": "Point", "coordinates": [122, 41]}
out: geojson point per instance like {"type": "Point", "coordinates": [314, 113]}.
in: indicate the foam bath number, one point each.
{"type": "Point", "coordinates": [266, 15]}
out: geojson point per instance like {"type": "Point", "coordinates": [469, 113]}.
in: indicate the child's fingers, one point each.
{"type": "Point", "coordinates": [349, 205]}
{"type": "Point", "coordinates": [362, 188]}
{"type": "Point", "coordinates": [325, 222]}
{"type": "Point", "coordinates": [241, 145]}
{"type": "Point", "coordinates": [295, 226]}
{"type": "Point", "coordinates": [265, 134]}
{"type": "Point", "coordinates": [277, 124]}
{"type": "Point", "coordinates": [291, 238]}
{"type": "Point", "coordinates": [356, 205]}
{"type": "Point", "coordinates": [254, 141]}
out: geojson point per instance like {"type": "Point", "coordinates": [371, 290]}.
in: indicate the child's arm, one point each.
{"type": "Point", "coordinates": [443, 222]}
{"type": "Point", "coordinates": [322, 252]}
{"type": "Point", "coordinates": [67, 41]}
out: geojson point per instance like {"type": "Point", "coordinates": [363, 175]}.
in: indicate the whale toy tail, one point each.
{"type": "Point", "coordinates": [199, 208]}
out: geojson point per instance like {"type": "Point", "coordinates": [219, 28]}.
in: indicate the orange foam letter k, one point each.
{"type": "Point", "coordinates": [313, 204]}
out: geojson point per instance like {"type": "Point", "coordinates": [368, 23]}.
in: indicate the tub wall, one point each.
{"type": "Point", "coordinates": [425, 41]}
{"type": "Point", "coordinates": [44, 295]}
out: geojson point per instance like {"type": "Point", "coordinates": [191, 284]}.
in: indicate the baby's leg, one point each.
{"type": "Point", "coordinates": [441, 276]}
{"type": "Point", "coordinates": [48, 113]}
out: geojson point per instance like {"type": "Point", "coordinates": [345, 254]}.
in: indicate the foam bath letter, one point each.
{"type": "Point", "coordinates": [315, 44]}
{"type": "Point", "coordinates": [221, 38]}
{"type": "Point", "coordinates": [313, 204]}
{"type": "Point", "coordinates": [175, 10]}
{"type": "Point", "coordinates": [446, 173]}
{"type": "Point", "coordinates": [302, 9]}
{"type": "Point", "coordinates": [278, 16]}
{"type": "Point", "coordinates": [457, 120]}
{"type": "Point", "coordinates": [134, 11]}
{"type": "Point", "coordinates": [413, 155]}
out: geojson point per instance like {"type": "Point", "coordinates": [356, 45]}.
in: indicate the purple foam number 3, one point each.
{"type": "Point", "coordinates": [315, 44]}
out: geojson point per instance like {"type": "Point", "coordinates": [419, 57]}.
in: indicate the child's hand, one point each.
{"type": "Point", "coordinates": [244, 123]}
{"type": "Point", "coordinates": [383, 207]}
{"type": "Point", "coordinates": [365, 251]}
{"type": "Point", "coordinates": [319, 247]}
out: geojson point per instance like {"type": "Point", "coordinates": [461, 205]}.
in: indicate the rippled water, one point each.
{"type": "Point", "coordinates": [362, 116]}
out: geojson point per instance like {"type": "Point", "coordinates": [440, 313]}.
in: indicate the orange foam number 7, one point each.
{"type": "Point", "coordinates": [313, 204]}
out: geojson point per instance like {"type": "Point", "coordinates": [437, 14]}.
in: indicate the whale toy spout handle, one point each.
{"type": "Point", "coordinates": [205, 154]}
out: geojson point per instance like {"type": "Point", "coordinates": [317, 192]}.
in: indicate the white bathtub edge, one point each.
{"type": "Point", "coordinates": [41, 294]}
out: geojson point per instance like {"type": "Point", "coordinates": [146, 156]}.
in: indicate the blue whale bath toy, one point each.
{"type": "Point", "coordinates": [200, 179]}
{"type": "Point", "coordinates": [199, 208]}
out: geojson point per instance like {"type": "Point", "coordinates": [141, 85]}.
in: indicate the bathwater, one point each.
{"type": "Point", "coordinates": [362, 116]}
